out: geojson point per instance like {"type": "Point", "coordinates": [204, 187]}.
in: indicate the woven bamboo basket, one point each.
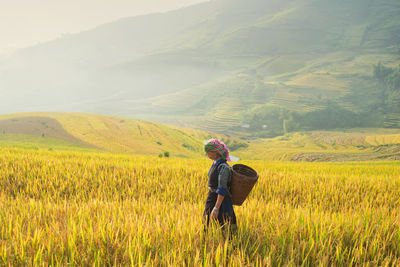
{"type": "Point", "coordinates": [243, 180]}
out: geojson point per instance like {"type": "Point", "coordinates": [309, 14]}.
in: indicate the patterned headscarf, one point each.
{"type": "Point", "coordinates": [213, 145]}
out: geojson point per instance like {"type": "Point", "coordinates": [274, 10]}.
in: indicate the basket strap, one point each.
{"type": "Point", "coordinates": [230, 184]}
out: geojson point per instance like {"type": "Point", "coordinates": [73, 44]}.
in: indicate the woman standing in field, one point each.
{"type": "Point", "coordinates": [219, 206]}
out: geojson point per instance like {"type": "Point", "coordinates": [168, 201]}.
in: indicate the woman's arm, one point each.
{"type": "Point", "coordinates": [219, 201]}
{"type": "Point", "coordinates": [215, 211]}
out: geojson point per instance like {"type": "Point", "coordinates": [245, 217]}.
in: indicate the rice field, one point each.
{"type": "Point", "coordinates": [102, 209]}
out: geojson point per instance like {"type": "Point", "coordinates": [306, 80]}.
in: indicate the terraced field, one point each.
{"type": "Point", "coordinates": [225, 116]}
{"type": "Point", "coordinates": [354, 145]}
{"type": "Point", "coordinates": [296, 82]}
{"type": "Point", "coordinates": [377, 140]}
{"type": "Point", "coordinates": [392, 120]}
{"type": "Point", "coordinates": [288, 98]}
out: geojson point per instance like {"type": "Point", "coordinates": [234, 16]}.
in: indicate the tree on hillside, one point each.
{"type": "Point", "coordinates": [269, 115]}
{"type": "Point", "coordinates": [260, 91]}
{"type": "Point", "coordinates": [333, 116]}
{"type": "Point", "coordinates": [381, 72]}
{"type": "Point", "coordinates": [292, 123]}
{"type": "Point", "coordinates": [392, 80]}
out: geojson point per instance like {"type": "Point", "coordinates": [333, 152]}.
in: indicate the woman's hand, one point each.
{"type": "Point", "coordinates": [214, 213]}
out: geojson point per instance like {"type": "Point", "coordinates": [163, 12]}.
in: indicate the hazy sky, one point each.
{"type": "Point", "coordinates": [27, 22]}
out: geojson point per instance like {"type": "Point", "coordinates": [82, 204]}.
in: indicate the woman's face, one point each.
{"type": "Point", "coordinates": [212, 155]}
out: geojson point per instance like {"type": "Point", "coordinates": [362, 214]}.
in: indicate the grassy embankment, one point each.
{"type": "Point", "coordinates": [344, 145]}
{"type": "Point", "coordinates": [106, 133]}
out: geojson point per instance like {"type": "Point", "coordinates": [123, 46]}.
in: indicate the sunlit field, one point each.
{"type": "Point", "coordinates": [97, 209]}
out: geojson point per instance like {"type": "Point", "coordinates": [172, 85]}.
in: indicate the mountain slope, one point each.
{"type": "Point", "coordinates": [305, 56]}
{"type": "Point", "coordinates": [67, 74]}
{"type": "Point", "coordinates": [217, 64]}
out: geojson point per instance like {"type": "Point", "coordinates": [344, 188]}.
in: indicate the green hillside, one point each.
{"type": "Point", "coordinates": [78, 131]}
{"type": "Point", "coordinates": [90, 132]}
{"type": "Point", "coordinates": [294, 57]}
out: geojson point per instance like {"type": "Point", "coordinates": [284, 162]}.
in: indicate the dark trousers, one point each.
{"type": "Point", "coordinates": [226, 215]}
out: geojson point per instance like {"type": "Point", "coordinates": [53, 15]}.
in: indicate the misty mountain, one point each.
{"type": "Point", "coordinates": [68, 71]}
{"type": "Point", "coordinates": [217, 62]}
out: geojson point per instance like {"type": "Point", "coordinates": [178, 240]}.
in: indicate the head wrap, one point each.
{"type": "Point", "coordinates": [215, 145]}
